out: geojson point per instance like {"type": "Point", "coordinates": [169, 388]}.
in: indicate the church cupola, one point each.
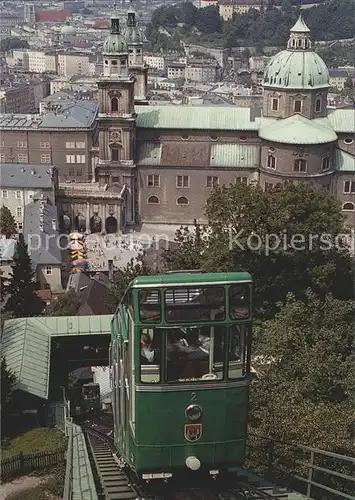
{"type": "Point", "coordinates": [115, 51]}
{"type": "Point", "coordinates": [299, 36]}
{"type": "Point", "coordinates": [134, 39]}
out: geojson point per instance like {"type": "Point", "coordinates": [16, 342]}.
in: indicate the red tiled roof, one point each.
{"type": "Point", "coordinates": [52, 16]}
{"type": "Point", "coordinates": [44, 295]}
{"type": "Point", "coordinates": [100, 23]}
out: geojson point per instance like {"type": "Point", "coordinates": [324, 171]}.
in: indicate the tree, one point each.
{"type": "Point", "coordinates": [7, 222]}
{"type": "Point", "coordinates": [305, 393]}
{"type": "Point", "coordinates": [11, 43]}
{"type": "Point", "coordinates": [188, 252]}
{"type": "Point", "coordinates": [8, 378]}
{"type": "Point", "coordinates": [123, 277]}
{"type": "Point", "coordinates": [23, 301]}
{"type": "Point", "coordinates": [277, 236]}
{"type": "Point", "coordinates": [67, 304]}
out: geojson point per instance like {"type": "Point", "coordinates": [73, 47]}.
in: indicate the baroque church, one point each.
{"type": "Point", "coordinates": [159, 164]}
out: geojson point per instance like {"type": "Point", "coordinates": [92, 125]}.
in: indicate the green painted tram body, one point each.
{"type": "Point", "coordinates": [154, 432]}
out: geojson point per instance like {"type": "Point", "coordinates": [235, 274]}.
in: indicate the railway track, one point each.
{"type": "Point", "coordinates": [114, 483]}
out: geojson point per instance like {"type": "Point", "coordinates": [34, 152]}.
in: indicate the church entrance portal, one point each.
{"type": "Point", "coordinates": [95, 224]}
{"type": "Point", "coordinates": [80, 223]}
{"type": "Point", "coordinates": [111, 225]}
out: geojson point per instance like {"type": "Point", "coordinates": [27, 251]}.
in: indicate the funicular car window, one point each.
{"type": "Point", "coordinates": [239, 301]}
{"type": "Point", "coordinates": [195, 304]}
{"type": "Point", "coordinates": [195, 353]}
{"type": "Point", "coordinates": [236, 351]}
{"type": "Point", "coordinates": [90, 392]}
{"type": "Point", "coordinates": [149, 306]}
{"type": "Point", "coordinates": [150, 354]}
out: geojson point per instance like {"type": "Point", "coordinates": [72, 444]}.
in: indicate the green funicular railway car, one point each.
{"type": "Point", "coordinates": [90, 397]}
{"type": "Point", "coordinates": [180, 372]}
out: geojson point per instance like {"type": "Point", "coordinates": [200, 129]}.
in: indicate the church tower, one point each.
{"type": "Point", "coordinates": [137, 67]}
{"type": "Point", "coordinates": [117, 120]}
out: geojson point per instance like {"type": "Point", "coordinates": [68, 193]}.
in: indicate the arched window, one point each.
{"type": "Point", "coordinates": [271, 161]}
{"type": "Point", "coordinates": [325, 163]}
{"type": "Point", "coordinates": [114, 104]}
{"type": "Point", "coordinates": [300, 165]}
{"type": "Point", "coordinates": [115, 154]}
{"type": "Point", "coordinates": [349, 206]}
{"type": "Point", "coordinates": [153, 200]}
{"type": "Point", "coordinates": [182, 200]}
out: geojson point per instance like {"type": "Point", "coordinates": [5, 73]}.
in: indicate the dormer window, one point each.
{"type": "Point", "coordinates": [297, 107]}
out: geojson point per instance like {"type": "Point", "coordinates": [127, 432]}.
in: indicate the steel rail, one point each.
{"type": "Point", "coordinates": [118, 485]}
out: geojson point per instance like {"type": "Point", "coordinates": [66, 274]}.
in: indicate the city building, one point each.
{"type": "Point", "coordinates": [63, 135]}
{"type": "Point", "coordinates": [41, 229]}
{"type": "Point", "coordinates": [23, 97]}
{"type": "Point", "coordinates": [227, 8]}
{"type": "Point", "coordinates": [159, 164]}
{"type": "Point", "coordinates": [337, 78]}
{"type": "Point", "coordinates": [21, 185]}
{"type": "Point", "coordinates": [29, 192]}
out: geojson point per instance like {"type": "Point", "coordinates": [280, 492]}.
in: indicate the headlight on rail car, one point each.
{"type": "Point", "coordinates": [193, 413]}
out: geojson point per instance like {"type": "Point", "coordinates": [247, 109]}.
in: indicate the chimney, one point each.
{"type": "Point", "coordinates": [110, 270]}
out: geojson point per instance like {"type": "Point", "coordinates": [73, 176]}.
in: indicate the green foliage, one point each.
{"type": "Point", "coordinates": [189, 251]}
{"type": "Point", "coordinates": [256, 231]}
{"type": "Point", "coordinates": [11, 43]}
{"type": "Point", "coordinates": [8, 378]}
{"type": "Point", "coordinates": [23, 301]}
{"type": "Point", "coordinates": [51, 486]}
{"type": "Point", "coordinates": [311, 345]}
{"type": "Point", "coordinates": [332, 20]}
{"type": "Point", "coordinates": [123, 277]}
{"type": "Point", "coordinates": [305, 358]}
{"type": "Point", "coordinates": [35, 441]}
{"type": "Point", "coordinates": [270, 27]}
{"type": "Point", "coordinates": [67, 304]}
{"type": "Point", "coordinates": [7, 222]}
{"type": "Point", "coordinates": [337, 55]}
{"type": "Point", "coordinates": [3, 287]}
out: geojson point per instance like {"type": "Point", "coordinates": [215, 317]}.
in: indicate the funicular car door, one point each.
{"type": "Point", "coordinates": [124, 397]}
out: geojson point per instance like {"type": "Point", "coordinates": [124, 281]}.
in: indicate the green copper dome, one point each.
{"type": "Point", "coordinates": [298, 67]}
{"type": "Point", "coordinates": [115, 44]}
{"type": "Point", "coordinates": [296, 70]}
{"type": "Point", "coordinates": [133, 35]}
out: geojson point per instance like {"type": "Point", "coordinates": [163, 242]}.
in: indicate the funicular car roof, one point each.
{"type": "Point", "coordinates": [185, 279]}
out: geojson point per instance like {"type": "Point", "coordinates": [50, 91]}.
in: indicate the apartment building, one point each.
{"type": "Point", "coordinates": [229, 7]}
{"type": "Point", "coordinates": [21, 186]}
{"type": "Point", "coordinates": [156, 62]}
{"type": "Point", "coordinates": [74, 64]}
{"type": "Point", "coordinates": [201, 71]}
{"type": "Point", "coordinates": [24, 97]}
{"type": "Point", "coordinates": [176, 70]}
{"type": "Point", "coordinates": [337, 78]}
{"type": "Point", "coordinates": [33, 61]}
{"type": "Point", "coordinates": [63, 135]}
